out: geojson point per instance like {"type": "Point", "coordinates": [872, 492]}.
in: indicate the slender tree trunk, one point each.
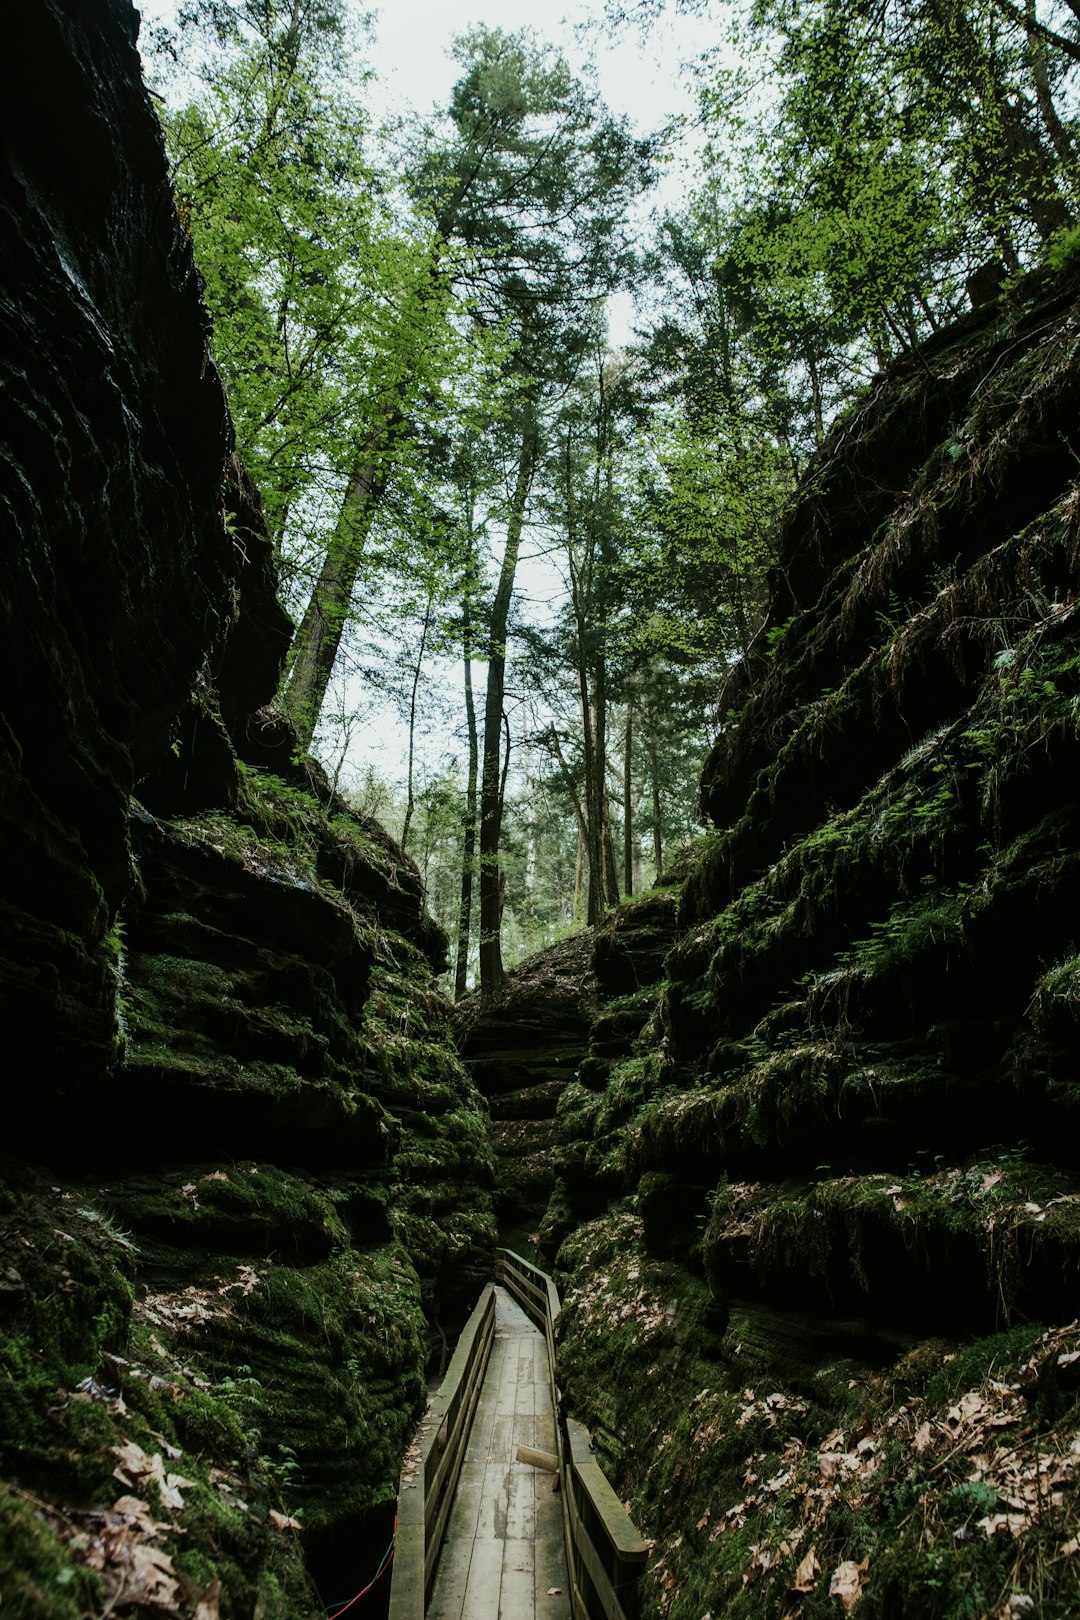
{"type": "Point", "coordinates": [505, 766]}
{"type": "Point", "coordinates": [610, 891]}
{"type": "Point", "coordinates": [468, 850]}
{"type": "Point", "coordinates": [657, 836]}
{"type": "Point", "coordinates": [491, 805]}
{"type": "Point", "coordinates": [579, 871]}
{"type": "Point", "coordinates": [628, 795]}
{"type": "Point", "coordinates": [568, 783]}
{"type": "Point", "coordinates": [318, 638]}
{"type": "Point", "coordinates": [591, 850]}
{"type": "Point", "coordinates": [611, 865]}
{"type": "Point", "coordinates": [319, 635]}
{"type": "Point", "coordinates": [815, 396]}
{"type": "Point", "coordinates": [1055, 129]}
{"type": "Point", "coordinates": [595, 795]}
{"type": "Point", "coordinates": [417, 669]}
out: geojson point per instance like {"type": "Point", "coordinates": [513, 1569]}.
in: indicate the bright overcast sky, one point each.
{"type": "Point", "coordinates": [640, 78]}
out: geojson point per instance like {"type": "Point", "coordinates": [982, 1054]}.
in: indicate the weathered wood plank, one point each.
{"type": "Point", "coordinates": [426, 1495]}
{"type": "Point", "coordinates": [509, 1528]}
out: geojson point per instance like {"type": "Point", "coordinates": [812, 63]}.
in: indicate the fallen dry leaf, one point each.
{"type": "Point", "coordinates": [1013, 1524]}
{"type": "Point", "coordinates": [760, 1561]}
{"type": "Point", "coordinates": [149, 1576]}
{"type": "Point", "coordinates": [969, 1409]}
{"type": "Point", "coordinates": [806, 1572]}
{"type": "Point", "coordinates": [847, 1581]}
{"type": "Point", "coordinates": [284, 1521]}
{"type": "Point", "coordinates": [134, 1461]}
{"type": "Point", "coordinates": [135, 1509]}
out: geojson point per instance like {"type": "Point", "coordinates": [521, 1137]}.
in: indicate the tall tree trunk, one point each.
{"type": "Point", "coordinates": [610, 889]}
{"type": "Point", "coordinates": [611, 865]}
{"type": "Point", "coordinates": [491, 804]}
{"type": "Point", "coordinates": [468, 841]}
{"type": "Point", "coordinates": [628, 796]}
{"type": "Point", "coordinates": [417, 668]}
{"type": "Point", "coordinates": [815, 395]}
{"type": "Point", "coordinates": [579, 870]}
{"type": "Point", "coordinates": [593, 851]}
{"type": "Point", "coordinates": [1055, 129]}
{"type": "Point", "coordinates": [318, 638]}
{"type": "Point", "coordinates": [657, 835]}
{"type": "Point", "coordinates": [568, 783]}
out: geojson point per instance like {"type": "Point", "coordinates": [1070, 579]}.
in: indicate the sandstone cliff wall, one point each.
{"type": "Point", "coordinates": [242, 1167]}
{"type": "Point", "coordinates": [827, 1335]}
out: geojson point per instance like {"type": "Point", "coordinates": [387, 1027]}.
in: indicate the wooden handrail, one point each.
{"type": "Point", "coordinates": [604, 1552]}
{"type": "Point", "coordinates": [427, 1491]}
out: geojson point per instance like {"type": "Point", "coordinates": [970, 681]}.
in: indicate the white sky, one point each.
{"type": "Point", "coordinates": [639, 78]}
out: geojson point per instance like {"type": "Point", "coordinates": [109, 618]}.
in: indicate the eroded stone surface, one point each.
{"type": "Point", "coordinates": [243, 1164]}
{"type": "Point", "coordinates": [844, 1147]}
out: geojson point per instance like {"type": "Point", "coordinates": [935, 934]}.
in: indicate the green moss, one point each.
{"type": "Point", "coordinates": [973, 1364]}
{"type": "Point", "coordinates": [39, 1580]}
{"type": "Point", "coordinates": [1062, 251]}
{"type": "Point", "coordinates": [746, 1459]}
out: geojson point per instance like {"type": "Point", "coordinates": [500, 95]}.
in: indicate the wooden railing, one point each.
{"type": "Point", "coordinates": [427, 1489]}
{"type": "Point", "coordinates": [604, 1553]}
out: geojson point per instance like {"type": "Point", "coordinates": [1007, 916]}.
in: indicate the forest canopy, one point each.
{"type": "Point", "coordinates": [543, 550]}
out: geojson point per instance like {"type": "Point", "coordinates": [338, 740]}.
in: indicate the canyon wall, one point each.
{"type": "Point", "coordinates": [824, 1326]}
{"type": "Point", "coordinates": [244, 1176]}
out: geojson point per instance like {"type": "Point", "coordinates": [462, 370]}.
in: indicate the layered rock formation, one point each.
{"type": "Point", "coordinates": [828, 1338]}
{"type": "Point", "coordinates": [522, 1050]}
{"type": "Point", "coordinates": [544, 1048]}
{"type": "Point", "coordinates": [243, 1167]}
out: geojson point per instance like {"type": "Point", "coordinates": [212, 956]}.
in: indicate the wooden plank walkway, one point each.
{"type": "Point", "coordinates": [504, 1557]}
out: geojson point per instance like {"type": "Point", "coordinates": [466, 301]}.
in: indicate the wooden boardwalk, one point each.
{"type": "Point", "coordinates": [504, 1557]}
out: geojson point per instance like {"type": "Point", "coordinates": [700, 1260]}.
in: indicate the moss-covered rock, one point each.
{"type": "Point", "coordinates": [847, 1127]}
{"type": "Point", "coordinates": [248, 1178]}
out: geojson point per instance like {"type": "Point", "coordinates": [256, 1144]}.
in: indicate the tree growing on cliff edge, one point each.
{"type": "Point", "coordinates": [871, 158]}
{"type": "Point", "coordinates": [525, 199]}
